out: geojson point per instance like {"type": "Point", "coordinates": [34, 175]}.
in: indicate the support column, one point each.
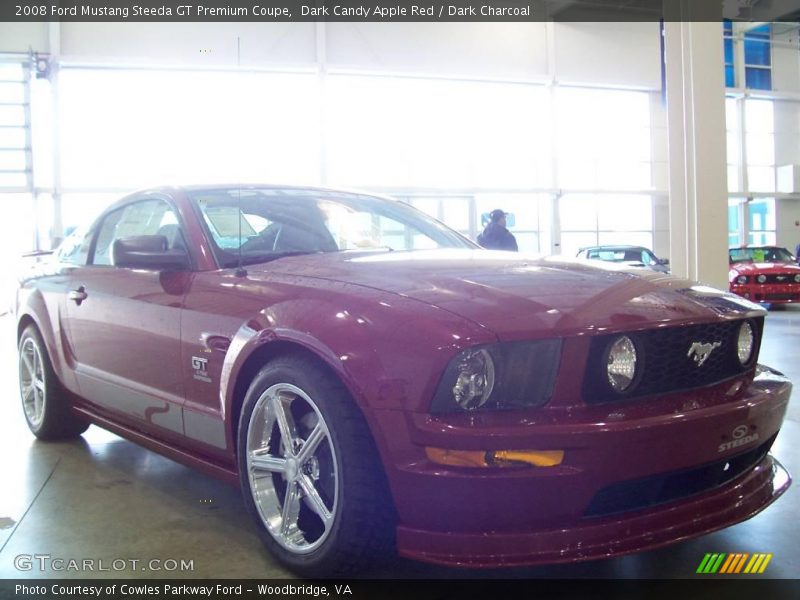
{"type": "Point", "coordinates": [54, 37]}
{"type": "Point", "coordinates": [698, 190]}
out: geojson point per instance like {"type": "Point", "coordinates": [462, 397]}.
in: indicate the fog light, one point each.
{"type": "Point", "coordinates": [745, 343]}
{"type": "Point", "coordinates": [495, 458]}
{"type": "Point", "coordinates": [761, 278]}
{"type": "Point", "coordinates": [622, 363]}
{"type": "Point", "coordinates": [475, 380]}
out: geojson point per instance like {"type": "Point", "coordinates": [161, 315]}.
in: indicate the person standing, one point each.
{"type": "Point", "coordinates": [496, 235]}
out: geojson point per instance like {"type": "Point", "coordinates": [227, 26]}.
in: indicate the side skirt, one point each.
{"type": "Point", "coordinates": [225, 474]}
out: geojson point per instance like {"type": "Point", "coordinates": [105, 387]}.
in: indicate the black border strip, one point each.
{"type": "Point", "coordinates": [395, 10]}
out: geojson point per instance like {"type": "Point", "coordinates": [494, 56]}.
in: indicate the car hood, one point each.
{"type": "Point", "coordinates": [766, 268]}
{"type": "Point", "coordinates": [518, 297]}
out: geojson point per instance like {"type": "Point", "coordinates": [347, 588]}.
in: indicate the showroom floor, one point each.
{"type": "Point", "coordinates": [101, 497]}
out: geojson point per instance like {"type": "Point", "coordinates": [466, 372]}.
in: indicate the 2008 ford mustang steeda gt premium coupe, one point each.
{"type": "Point", "coordinates": [376, 383]}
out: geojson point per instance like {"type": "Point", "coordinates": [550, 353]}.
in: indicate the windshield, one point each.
{"type": "Point", "coordinates": [767, 254]}
{"type": "Point", "coordinates": [626, 255]}
{"type": "Point", "coordinates": [264, 224]}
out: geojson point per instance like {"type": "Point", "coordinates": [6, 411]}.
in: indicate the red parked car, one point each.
{"type": "Point", "coordinates": [375, 382]}
{"type": "Point", "coordinates": [765, 274]}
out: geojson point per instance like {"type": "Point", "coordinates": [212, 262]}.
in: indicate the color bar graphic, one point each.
{"type": "Point", "coordinates": [729, 564]}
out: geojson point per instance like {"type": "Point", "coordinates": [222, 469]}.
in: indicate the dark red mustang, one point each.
{"type": "Point", "coordinates": [375, 382]}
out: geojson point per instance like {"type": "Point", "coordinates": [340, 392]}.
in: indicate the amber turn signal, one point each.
{"type": "Point", "coordinates": [494, 458]}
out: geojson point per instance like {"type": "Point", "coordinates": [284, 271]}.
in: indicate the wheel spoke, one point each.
{"type": "Point", "coordinates": [28, 365]}
{"type": "Point", "coordinates": [27, 390]}
{"type": "Point", "coordinates": [37, 403]}
{"type": "Point", "coordinates": [39, 385]}
{"type": "Point", "coordinates": [310, 446]}
{"type": "Point", "coordinates": [284, 425]}
{"type": "Point", "coordinates": [290, 511]}
{"type": "Point", "coordinates": [314, 500]}
{"type": "Point", "coordinates": [265, 462]}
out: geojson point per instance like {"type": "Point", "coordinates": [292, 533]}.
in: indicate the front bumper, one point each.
{"type": "Point", "coordinates": [622, 534]}
{"type": "Point", "coordinates": [768, 293]}
{"type": "Point", "coordinates": [523, 516]}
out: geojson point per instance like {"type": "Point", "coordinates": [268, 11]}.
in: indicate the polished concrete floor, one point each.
{"type": "Point", "coordinates": [104, 498]}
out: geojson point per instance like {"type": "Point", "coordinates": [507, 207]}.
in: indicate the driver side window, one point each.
{"type": "Point", "coordinates": [147, 217]}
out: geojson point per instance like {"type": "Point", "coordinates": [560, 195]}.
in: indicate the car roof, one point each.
{"type": "Point", "coordinates": [258, 186]}
{"type": "Point", "coordinates": [733, 248]}
{"type": "Point", "coordinates": [614, 247]}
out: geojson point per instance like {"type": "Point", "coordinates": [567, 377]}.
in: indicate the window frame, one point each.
{"type": "Point", "coordinates": [121, 205]}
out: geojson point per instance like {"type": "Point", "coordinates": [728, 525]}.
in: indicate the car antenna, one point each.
{"type": "Point", "coordinates": [240, 270]}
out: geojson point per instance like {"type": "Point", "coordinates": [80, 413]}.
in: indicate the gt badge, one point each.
{"type": "Point", "coordinates": [200, 369]}
{"type": "Point", "coordinates": [700, 352]}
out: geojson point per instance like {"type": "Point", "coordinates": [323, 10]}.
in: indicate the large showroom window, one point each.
{"type": "Point", "coordinates": [592, 219]}
{"type": "Point", "coordinates": [758, 58]}
{"type": "Point", "coordinates": [756, 53]}
{"type": "Point", "coordinates": [760, 143]}
{"type": "Point", "coordinates": [454, 148]}
{"type": "Point", "coordinates": [607, 147]}
{"type": "Point", "coordinates": [16, 166]}
{"type": "Point", "coordinates": [730, 69]}
{"type": "Point", "coordinates": [752, 221]}
{"type": "Point", "coordinates": [761, 221]}
{"type": "Point", "coordinates": [387, 132]}
{"type": "Point", "coordinates": [124, 129]}
{"type": "Point", "coordinates": [734, 144]}
{"type": "Point", "coordinates": [736, 207]}
{"type": "Point", "coordinates": [14, 126]}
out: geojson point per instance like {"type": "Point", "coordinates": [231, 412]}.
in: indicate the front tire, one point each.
{"type": "Point", "coordinates": [45, 402]}
{"type": "Point", "coordinates": [310, 472]}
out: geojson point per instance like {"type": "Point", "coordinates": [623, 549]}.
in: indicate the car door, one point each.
{"type": "Point", "coordinates": [123, 325]}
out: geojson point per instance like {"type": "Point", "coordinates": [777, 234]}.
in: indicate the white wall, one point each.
{"type": "Point", "coordinates": [612, 54]}
{"type": "Point", "coordinates": [190, 44]}
{"type": "Point", "coordinates": [22, 37]}
{"type": "Point", "coordinates": [620, 54]}
{"type": "Point", "coordinates": [514, 51]}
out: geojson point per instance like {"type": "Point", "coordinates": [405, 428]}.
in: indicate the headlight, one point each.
{"type": "Point", "coordinates": [500, 376]}
{"type": "Point", "coordinates": [621, 364]}
{"type": "Point", "coordinates": [745, 343]}
{"type": "Point", "coordinates": [475, 380]}
{"type": "Point", "coordinates": [761, 278]}
{"type": "Point", "coordinates": [741, 279]}
{"type": "Point", "coordinates": [797, 278]}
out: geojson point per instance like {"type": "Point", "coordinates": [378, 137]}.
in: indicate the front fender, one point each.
{"type": "Point", "coordinates": [389, 353]}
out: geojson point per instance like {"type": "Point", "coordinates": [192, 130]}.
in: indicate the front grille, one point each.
{"type": "Point", "coordinates": [667, 487]}
{"type": "Point", "coordinates": [781, 278]}
{"type": "Point", "coordinates": [665, 363]}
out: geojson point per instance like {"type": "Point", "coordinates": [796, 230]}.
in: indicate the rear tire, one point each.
{"type": "Point", "coordinates": [320, 501]}
{"type": "Point", "coordinates": [45, 402]}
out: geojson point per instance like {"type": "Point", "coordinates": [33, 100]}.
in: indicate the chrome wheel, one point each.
{"type": "Point", "coordinates": [31, 382]}
{"type": "Point", "coordinates": [291, 467]}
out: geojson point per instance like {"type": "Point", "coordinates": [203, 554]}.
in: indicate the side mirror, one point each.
{"type": "Point", "coordinates": [149, 252]}
{"type": "Point", "coordinates": [663, 261]}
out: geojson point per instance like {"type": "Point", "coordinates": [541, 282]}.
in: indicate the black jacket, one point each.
{"type": "Point", "coordinates": [497, 237]}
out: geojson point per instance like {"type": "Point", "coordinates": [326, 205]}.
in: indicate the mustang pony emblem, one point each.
{"type": "Point", "coordinates": [699, 352]}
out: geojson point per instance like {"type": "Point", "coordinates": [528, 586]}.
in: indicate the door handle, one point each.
{"type": "Point", "coordinates": [78, 295]}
